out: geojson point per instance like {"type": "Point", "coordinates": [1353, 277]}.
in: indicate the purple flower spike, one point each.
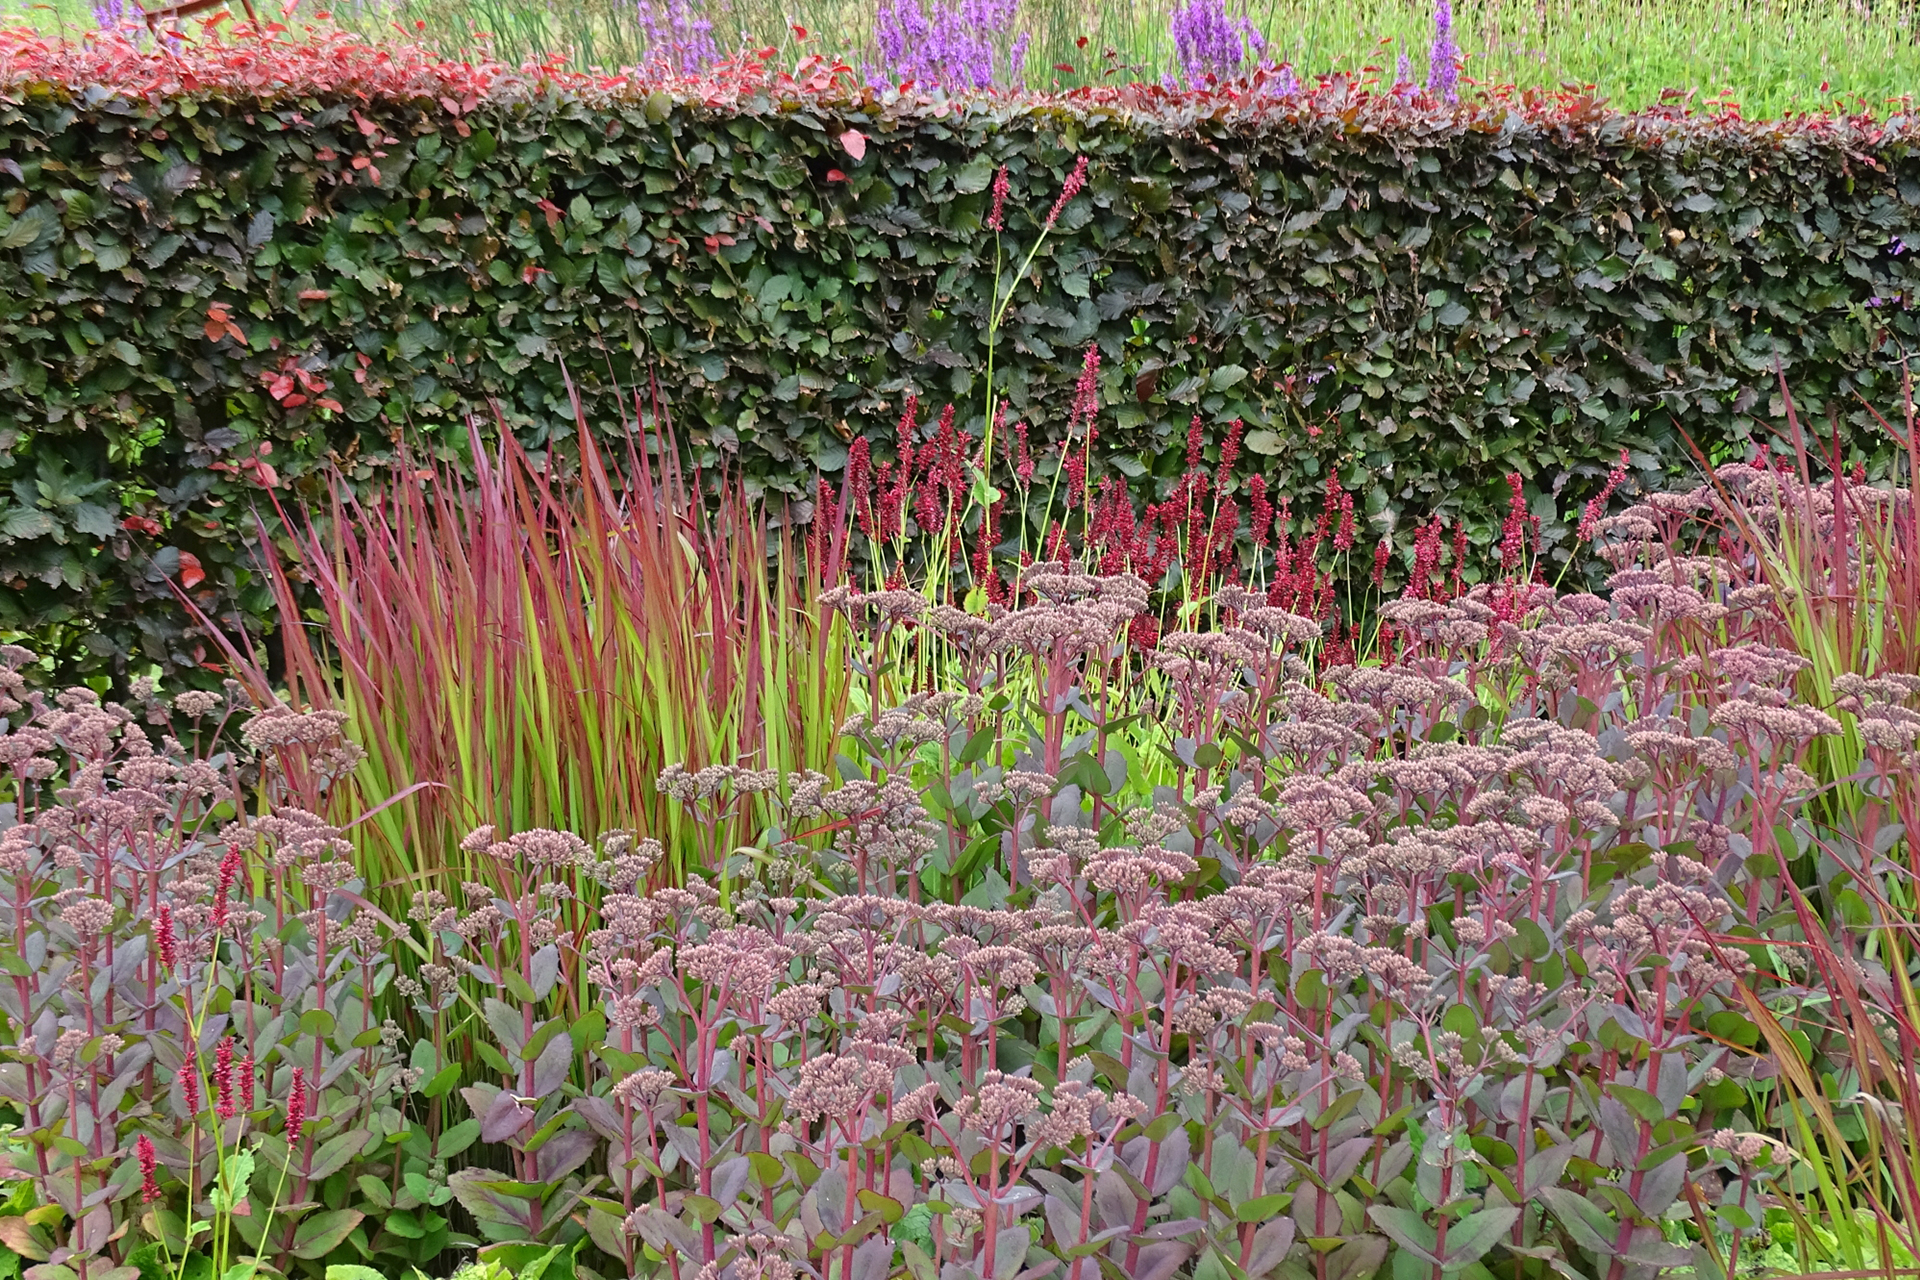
{"type": "Point", "coordinates": [112, 15]}
{"type": "Point", "coordinates": [1210, 43]}
{"type": "Point", "coordinates": [678, 42]}
{"type": "Point", "coordinates": [1443, 60]}
{"type": "Point", "coordinates": [952, 46]}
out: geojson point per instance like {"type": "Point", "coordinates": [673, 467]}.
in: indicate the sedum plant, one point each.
{"type": "Point", "coordinates": [194, 994]}
{"type": "Point", "coordinates": [1530, 947]}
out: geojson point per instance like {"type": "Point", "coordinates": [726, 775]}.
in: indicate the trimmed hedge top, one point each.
{"type": "Point", "coordinates": [257, 257]}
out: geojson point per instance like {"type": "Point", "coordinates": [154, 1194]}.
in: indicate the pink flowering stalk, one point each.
{"type": "Point", "coordinates": [997, 307]}
{"type": "Point", "coordinates": [149, 1169]}
{"type": "Point", "coordinates": [165, 943]}
{"type": "Point", "coordinates": [223, 887]}
{"type": "Point", "coordinates": [1596, 506]}
{"type": "Point", "coordinates": [1068, 190]}
{"type": "Point", "coordinates": [997, 218]}
{"type": "Point", "coordinates": [296, 1106]}
{"type": "Point", "coordinates": [223, 1079]}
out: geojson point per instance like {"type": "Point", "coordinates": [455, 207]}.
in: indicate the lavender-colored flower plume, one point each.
{"type": "Point", "coordinates": [1443, 59]}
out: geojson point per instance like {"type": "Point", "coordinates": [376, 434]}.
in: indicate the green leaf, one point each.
{"type": "Point", "coordinates": [38, 220]}
{"type": "Point", "coordinates": [375, 1191]}
{"type": "Point", "coordinates": [873, 1202]}
{"type": "Point", "coordinates": [1226, 376]}
{"type": "Point", "coordinates": [542, 1035]}
{"type": "Point", "coordinates": [322, 1233]}
{"type": "Point", "coordinates": [457, 1138]}
{"type": "Point", "coordinates": [1262, 1208]}
{"type": "Point", "coordinates": [1639, 1101]}
{"type": "Point", "coordinates": [1589, 1226]}
{"type": "Point", "coordinates": [1310, 989]}
{"type": "Point", "coordinates": [974, 176]}
{"type": "Point", "coordinates": [1338, 1108]}
{"type": "Point", "coordinates": [353, 1271]}
{"type": "Point", "coordinates": [1407, 1229]}
{"type": "Point", "coordinates": [1476, 1233]}
{"type": "Point", "coordinates": [441, 1082]}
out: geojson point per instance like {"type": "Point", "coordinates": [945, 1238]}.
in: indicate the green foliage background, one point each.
{"type": "Point", "coordinates": [1513, 287]}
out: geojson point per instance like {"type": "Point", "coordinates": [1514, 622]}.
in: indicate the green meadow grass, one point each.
{"type": "Point", "coordinates": [1770, 56]}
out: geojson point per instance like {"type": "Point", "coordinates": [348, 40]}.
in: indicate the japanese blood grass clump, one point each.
{"type": "Point", "coordinates": [531, 649]}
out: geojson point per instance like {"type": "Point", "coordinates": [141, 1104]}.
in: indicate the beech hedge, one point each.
{"type": "Point", "coordinates": [225, 271]}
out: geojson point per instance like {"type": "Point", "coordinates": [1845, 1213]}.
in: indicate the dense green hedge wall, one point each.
{"type": "Point", "coordinates": [1508, 286]}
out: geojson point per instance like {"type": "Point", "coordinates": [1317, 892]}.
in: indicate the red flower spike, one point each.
{"type": "Point", "coordinates": [1323, 527]}
{"type": "Point", "coordinates": [859, 484]}
{"type": "Point", "coordinates": [1229, 452]}
{"type": "Point", "coordinates": [149, 1169]}
{"type": "Point", "coordinates": [1426, 561]}
{"type": "Point", "coordinates": [229, 870]}
{"type": "Point", "coordinates": [1259, 509]}
{"type": "Point", "coordinates": [1513, 531]}
{"type": "Point", "coordinates": [909, 424]}
{"type": "Point", "coordinates": [997, 219]}
{"type": "Point", "coordinates": [1459, 558]}
{"type": "Point", "coordinates": [296, 1106]}
{"type": "Point", "coordinates": [1143, 633]}
{"type": "Point", "coordinates": [1596, 508]}
{"type": "Point", "coordinates": [1071, 188]}
{"type": "Point", "coordinates": [1086, 392]}
{"type": "Point", "coordinates": [223, 1079]}
{"type": "Point", "coordinates": [164, 941]}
